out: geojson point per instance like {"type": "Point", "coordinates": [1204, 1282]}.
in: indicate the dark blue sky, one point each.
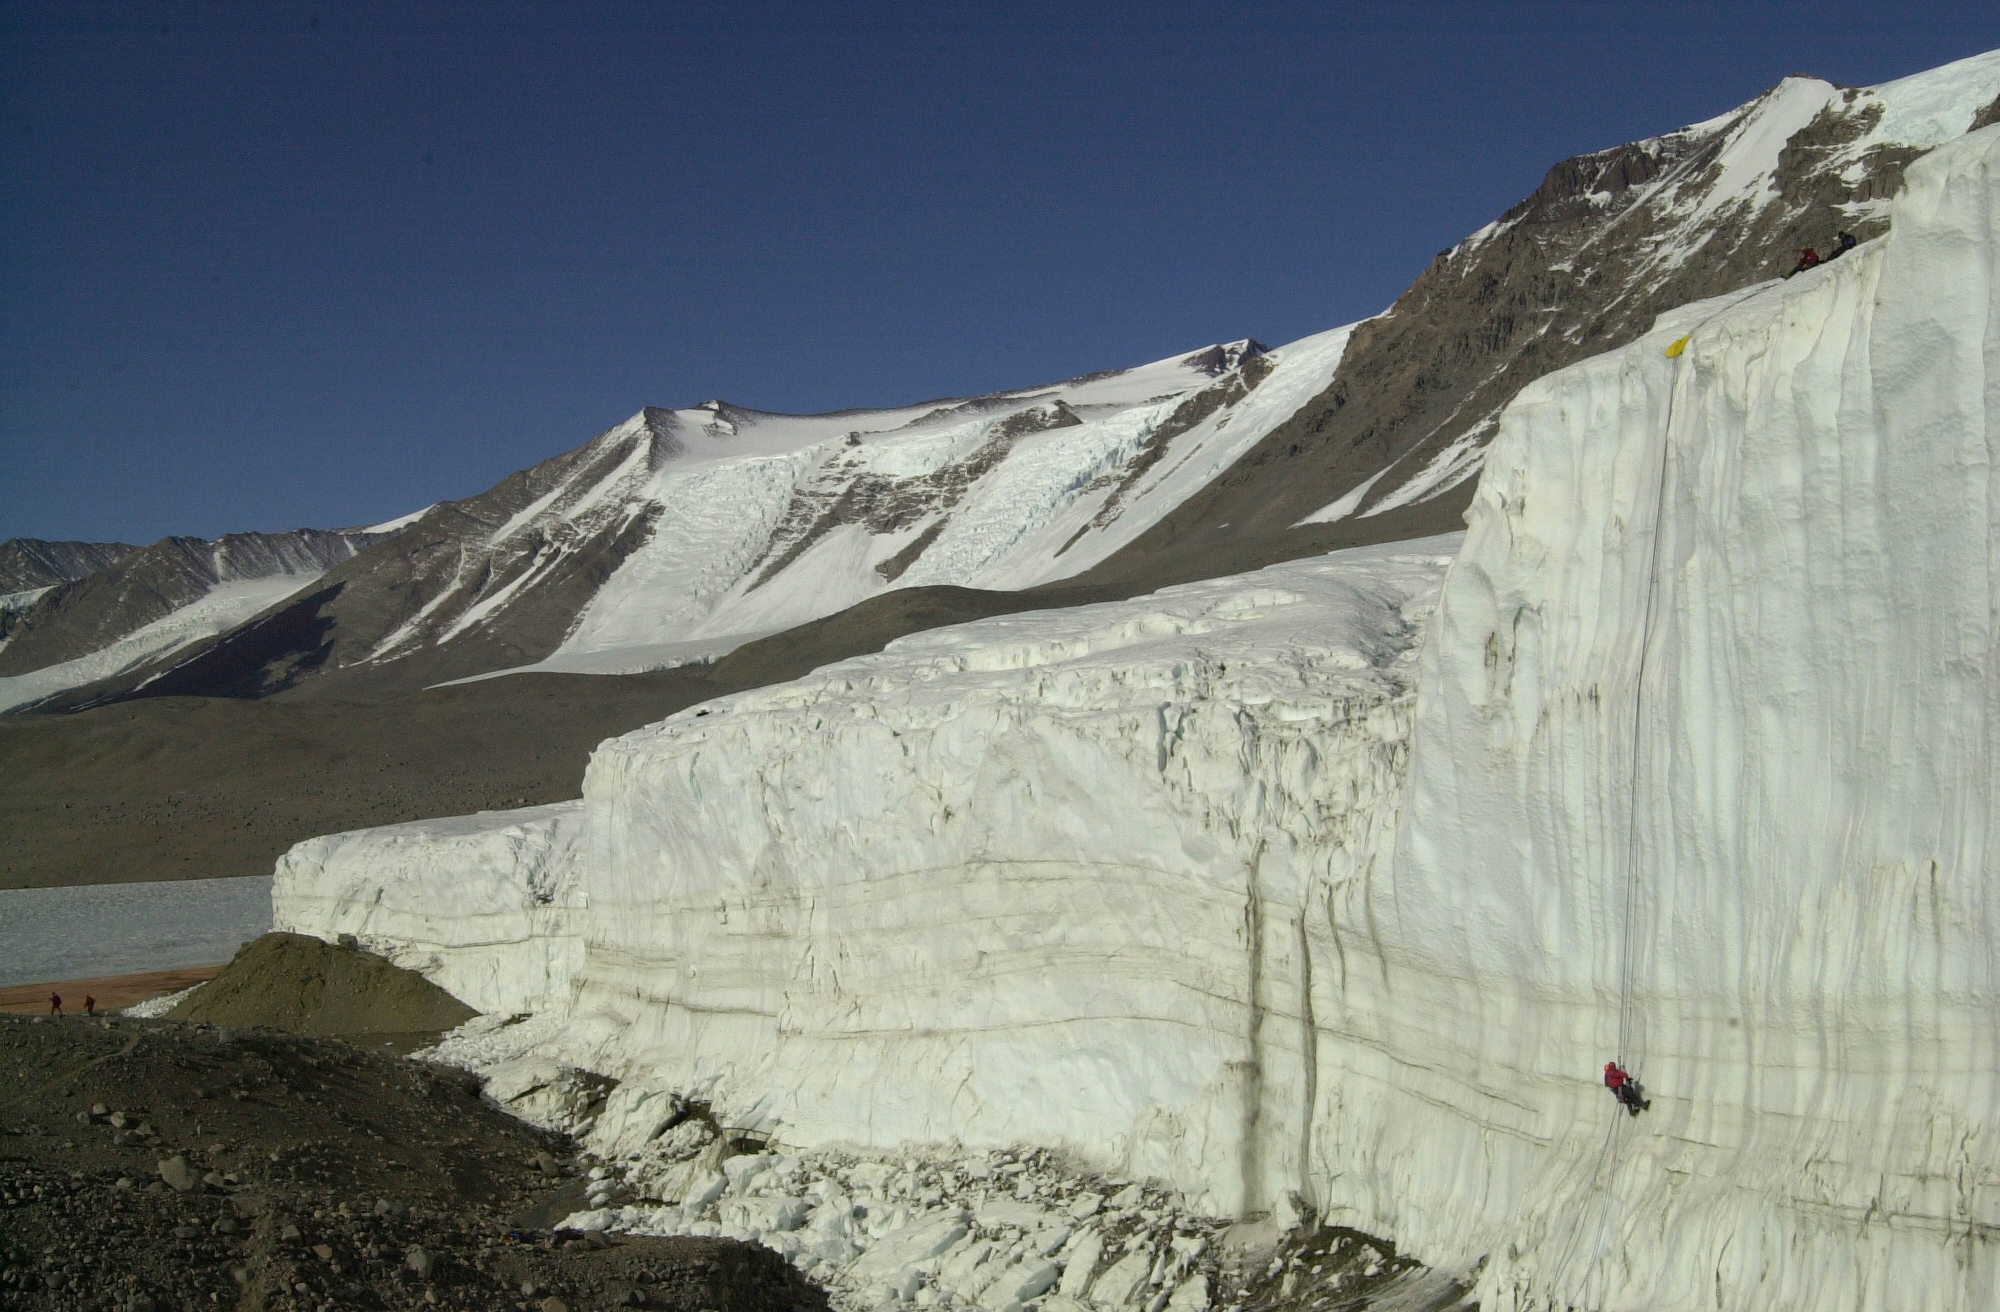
{"type": "Point", "coordinates": [273, 264]}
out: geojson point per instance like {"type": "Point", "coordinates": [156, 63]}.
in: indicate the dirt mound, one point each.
{"type": "Point", "coordinates": [306, 986]}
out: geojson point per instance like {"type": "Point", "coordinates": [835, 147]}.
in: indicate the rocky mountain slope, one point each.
{"type": "Point", "coordinates": [29, 567]}
{"type": "Point", "coordinates": [1333, 886]}
{"type": "Point", "coordinates": [681, 534]}
{"type": "Point", "coordinates": [30, 563]}
{"type": "Point", "coordinates": [153, 601]}
{"type": "Point", "coordinates": [1608, 241]}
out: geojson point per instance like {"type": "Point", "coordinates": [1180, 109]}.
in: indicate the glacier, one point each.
{"type": "Point", "coordinates": [1333, 886]}
{"type": "Point", "coordinates": [1703, 773]}
{"type": "Point", "coordinates": [737, 890]}
{"type": "Point", "coordinates": [222, 608]}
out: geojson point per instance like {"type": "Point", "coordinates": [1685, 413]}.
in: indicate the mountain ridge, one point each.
{"type": "Point", "coordinates": [681, 533]}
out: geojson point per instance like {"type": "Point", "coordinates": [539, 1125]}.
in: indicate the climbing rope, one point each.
{"type": "Point", "coordinates": [1606, 1164]}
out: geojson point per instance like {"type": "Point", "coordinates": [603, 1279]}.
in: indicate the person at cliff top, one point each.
{"type": "Point", "coordinates": [55, 1004]}
{"type": "Point", "coordinates": [1808, 258]}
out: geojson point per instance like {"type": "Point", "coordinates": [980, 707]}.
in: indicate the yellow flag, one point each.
{"type": "Point", "coordinates": [1674, 351]}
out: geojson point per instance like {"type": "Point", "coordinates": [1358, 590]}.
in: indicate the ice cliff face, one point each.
{"type": "Point", "coordinates": [1722, 634]}
{"type": "Point", "coordinates": [506, 939]}
{"type": "Point", "coordinates": [1699, 773]}
{"type": "Point", "coordinates": [1040, 878]}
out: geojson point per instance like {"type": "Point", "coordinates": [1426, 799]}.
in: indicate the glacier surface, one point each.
{"type": "Point", "coordinates": [1244, 888]}
{"type": "Point", "coordinates": [224, 607]}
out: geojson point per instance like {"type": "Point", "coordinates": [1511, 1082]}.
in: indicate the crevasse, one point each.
{"type": "Point", "coordinates": [1231, 886]}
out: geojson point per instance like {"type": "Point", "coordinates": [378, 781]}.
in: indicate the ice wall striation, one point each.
{"type": "Point", "coordinates": [488, 905]}
{"type": "Point", "coordinates": [1703, 776]}
{"type": "Point", "coordinates": [1038, 878]}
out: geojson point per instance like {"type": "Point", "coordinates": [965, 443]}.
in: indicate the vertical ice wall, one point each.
{"type": "Point", "coordinates": [488, 906]}
{"type": "Point", "coordinates": [1750, 676]}
{"type": "Point", "coordinates": [1038, 879]}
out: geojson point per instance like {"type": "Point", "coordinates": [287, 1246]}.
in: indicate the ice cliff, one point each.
{"type": "Point", "coordinates": [1707, 729]}
{"type": "Point", "coordinates": [1054, 863]}
{"type": "Point", "coordinates": [1242, 887]}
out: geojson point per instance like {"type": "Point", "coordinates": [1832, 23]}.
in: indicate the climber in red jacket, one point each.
{"type": "Point", "coordinates": [1624, 1088]}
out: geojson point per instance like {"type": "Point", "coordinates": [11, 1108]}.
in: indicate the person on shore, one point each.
{"type": "Point", "coordinates": [89, 1005]}
{"type": "Point", "coordinates": [55, 1004]}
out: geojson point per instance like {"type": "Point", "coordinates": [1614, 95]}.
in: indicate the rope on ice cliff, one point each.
{"type": "Point", "coordinates": [1627, 966]}
{"type": "Point", "coordinates": [1606, 1166]}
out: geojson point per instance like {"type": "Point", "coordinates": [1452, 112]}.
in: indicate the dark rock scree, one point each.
{"type": "Point", "coordinates": [150, 1166]}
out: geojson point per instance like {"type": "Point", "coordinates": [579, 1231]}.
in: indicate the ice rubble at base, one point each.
{"type": "Point", "coordinates": [924, 1227]}
{"type": "Point", "coordinates": [1122, 882]}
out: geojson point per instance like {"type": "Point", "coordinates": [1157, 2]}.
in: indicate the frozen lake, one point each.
{"type": "Point", "coordinates": [52, 934]}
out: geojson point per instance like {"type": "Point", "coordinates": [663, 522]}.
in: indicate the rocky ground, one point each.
{"type": "Point", "coordinates": [264, 1145]}
{"type": "Point", "coordinates": [150, 1166]}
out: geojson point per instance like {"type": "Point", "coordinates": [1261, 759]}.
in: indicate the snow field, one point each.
{"type": "Point", "coordinates": [699, 579]}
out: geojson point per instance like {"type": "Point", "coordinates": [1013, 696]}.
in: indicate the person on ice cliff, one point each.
{"type": "Point", "coordinates": [1624, 1088]}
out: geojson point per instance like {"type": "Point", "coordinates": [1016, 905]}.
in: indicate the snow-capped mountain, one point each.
{"type": "Point", "coordinates": [150, 602]}
{"type": "Point", "coordinates": [29, 567]}
{"type": "Point", "coordinates": [1332, 887]}
{"type": "Point", "coordinates": [681, 534]}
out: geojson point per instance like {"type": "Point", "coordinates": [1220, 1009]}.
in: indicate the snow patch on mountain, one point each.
{"type": "Point", "coordinates": [400, 522]}
{"type": "Point", "coordinates": [221, 609]}
{"type": "Point", "coordinates": [761, 522]}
